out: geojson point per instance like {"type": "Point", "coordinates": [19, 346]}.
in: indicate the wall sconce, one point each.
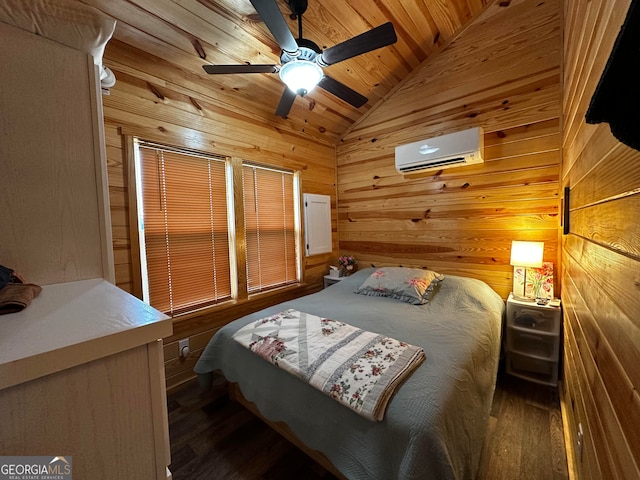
{"type": "Point", "coordinates": [565, 211]}
{"type": "Point", "coordinates": [524, 255]}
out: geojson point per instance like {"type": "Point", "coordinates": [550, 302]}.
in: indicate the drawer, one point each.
{"type": "Point", "coordinates": [534, 318]}
{"type": "Point", "coordinates": [531, 368]}
{"type": "Point", "coordinates": [530, 343]}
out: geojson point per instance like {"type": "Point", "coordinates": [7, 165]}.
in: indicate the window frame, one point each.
{"type": "Point", "coordinates": [235, 215]}
{"type": "Point", "coordinates": [297, 218]}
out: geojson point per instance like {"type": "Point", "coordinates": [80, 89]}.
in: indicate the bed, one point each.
{"type": "Point", "coordinates": [435, 423]}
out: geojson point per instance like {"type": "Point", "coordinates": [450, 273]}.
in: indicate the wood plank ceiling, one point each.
{"type": "Point", "coordinates": [174, 38]}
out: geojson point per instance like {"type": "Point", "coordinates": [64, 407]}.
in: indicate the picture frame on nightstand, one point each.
{"type": "Point", "coordinates": [537, 283]}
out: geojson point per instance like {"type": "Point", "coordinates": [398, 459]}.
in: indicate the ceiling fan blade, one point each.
{"type": "Point", "coordinates": [273, 19]}
{"type": "Point", "coordinates": [375, 38]}
{"type": "Point", "coordinates": [340, 90]}
{"type": "Point", "coordinates": [286, 102]}
{"type": "Point", "coordinates": [215, 69]}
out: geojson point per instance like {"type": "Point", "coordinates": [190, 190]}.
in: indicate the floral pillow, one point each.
{"type": "Point", "coordinates": [411, 285]}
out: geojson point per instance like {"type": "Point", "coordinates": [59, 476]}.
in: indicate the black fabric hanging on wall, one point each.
{"type": "Point", "coordinates": [617, 96]}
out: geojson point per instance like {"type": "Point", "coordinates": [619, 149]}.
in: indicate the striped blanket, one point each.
{"type": "Point", "coordinates": [357, 368]}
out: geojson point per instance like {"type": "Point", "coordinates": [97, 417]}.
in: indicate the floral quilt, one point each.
{"type": "Point", "coordinates": [357, 368]}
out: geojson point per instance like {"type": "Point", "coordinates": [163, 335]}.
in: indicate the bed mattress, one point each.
{"type": "Point", "coordinates": [435, 423]}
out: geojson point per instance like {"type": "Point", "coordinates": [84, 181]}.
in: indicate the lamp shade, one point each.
{"type": "Point", "coordinates": [301, 76]}
{"type": "Point", "coordinates": [527, 254]}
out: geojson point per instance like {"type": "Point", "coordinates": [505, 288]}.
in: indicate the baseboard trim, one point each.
{"type": "Point", "coordinates": [568, 441]}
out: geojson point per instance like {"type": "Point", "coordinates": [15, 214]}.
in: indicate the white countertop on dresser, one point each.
{"type": "Point", "coordinates": [73, 323]}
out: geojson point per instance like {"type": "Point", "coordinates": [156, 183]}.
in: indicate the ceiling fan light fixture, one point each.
{"type": "Point", "coordinates": [301, 76]}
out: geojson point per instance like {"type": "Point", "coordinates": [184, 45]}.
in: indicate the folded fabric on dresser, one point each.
{"type": "Point", "coordinates": [359, 369]}
{"type": "Point", "coordinates": [15, 293]}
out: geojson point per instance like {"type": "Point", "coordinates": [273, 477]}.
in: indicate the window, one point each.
{"type": "Point", "coordinates": [185, 229]}
{"type": "Point", "coordinates": [270, 215]}
{"type": "Point", "coordinates": [186, 220]}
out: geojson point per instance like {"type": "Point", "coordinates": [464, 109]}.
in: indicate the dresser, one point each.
{"type": "Point", "coordinates": [82, 376]}
{"type": "Point", "coordinates": [81, 368]}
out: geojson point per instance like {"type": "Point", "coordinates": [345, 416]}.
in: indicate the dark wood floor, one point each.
{"type": "Point", "coordinates": [525, 437]}
{"type": "Point", "coordinates": [212, 437]}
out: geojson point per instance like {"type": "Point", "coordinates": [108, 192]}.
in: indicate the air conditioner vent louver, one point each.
{"type": "Point", "coordinates": [446, 151]}
{"type": "Point", "coordinates": [439, 163]}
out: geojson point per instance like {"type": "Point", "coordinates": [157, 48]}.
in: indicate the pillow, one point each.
{"type": "Point", "coordinates": [411, 285]}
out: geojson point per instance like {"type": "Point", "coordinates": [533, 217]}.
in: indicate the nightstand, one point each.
{"type": "Point", "coordinates": [533, 340]}
{"type": "Point", "coordinates": [329, 280]}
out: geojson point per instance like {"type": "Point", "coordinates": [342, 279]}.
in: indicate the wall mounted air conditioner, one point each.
{"type": "Point", "coordinates": [452, 150]}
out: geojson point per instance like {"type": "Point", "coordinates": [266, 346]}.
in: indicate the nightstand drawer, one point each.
{"type": "Point", "coordinates": [534, 318]}
{"type": "Point", "coordinates": [331, 280]}
{"type": "Point", "coordinates": [530, 343]}
{"type": "Point", "coordinates": [533, 339]}
{"type": "Point", "coordinates": [534, 369]}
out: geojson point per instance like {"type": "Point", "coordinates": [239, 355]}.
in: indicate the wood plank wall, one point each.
{"type": "Point", "coordinates": [601, 259]}
{"type": "Point", "coordinates": [503, 74]}
{"type": "Point", "coordinates": [185, 113]}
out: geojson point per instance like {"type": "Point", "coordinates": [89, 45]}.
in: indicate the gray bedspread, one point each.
{"type": "Point", "coordinates": [436, 422]}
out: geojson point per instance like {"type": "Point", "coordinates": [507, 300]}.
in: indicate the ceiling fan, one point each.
{"type": "Point", "coordinates": [302, 60]}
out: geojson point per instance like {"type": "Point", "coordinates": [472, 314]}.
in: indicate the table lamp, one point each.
{"type": "Point", "coordinates": [523, 256]}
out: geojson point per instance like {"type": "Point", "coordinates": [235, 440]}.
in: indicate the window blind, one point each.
{"type": "Point", "coordinates": [185, 229]}
{"type": "Point", "coordinates": [270, 227]}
